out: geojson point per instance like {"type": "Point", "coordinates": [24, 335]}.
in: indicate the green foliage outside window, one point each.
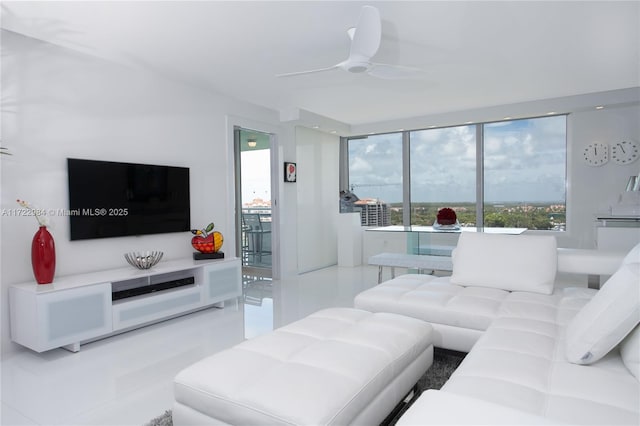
{"type": "Point", "coordinates": [541, 216]}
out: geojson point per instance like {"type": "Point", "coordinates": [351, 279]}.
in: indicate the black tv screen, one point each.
{"type": "Point", "coordinates": [111, 199]}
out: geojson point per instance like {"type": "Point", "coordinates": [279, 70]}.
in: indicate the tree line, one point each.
{"type": "Point", "coordinates": [539, 216]}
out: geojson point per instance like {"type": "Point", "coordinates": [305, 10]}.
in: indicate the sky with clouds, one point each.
{"type": "Point", "coordinates": [256, 175]}
{"type": "Point", "coordinates": [524, 160]}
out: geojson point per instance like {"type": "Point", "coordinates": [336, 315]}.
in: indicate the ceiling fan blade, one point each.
{"type": "Point", "coordinates": [291, 74]}
{"type": "Point", "coordinates": [366, 39]}
{"type": "Point", "coordinates": [394, 72]}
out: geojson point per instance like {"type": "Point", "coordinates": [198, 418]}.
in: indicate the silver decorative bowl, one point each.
{"type": "Point", "coordinates": [143, 259]}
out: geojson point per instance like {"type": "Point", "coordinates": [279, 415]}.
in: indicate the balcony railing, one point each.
{"type": "Point", "coordinates": [256, 237]}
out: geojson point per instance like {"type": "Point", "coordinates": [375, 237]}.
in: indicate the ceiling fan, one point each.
{"type": "Point", "coordinates": [365, 41]}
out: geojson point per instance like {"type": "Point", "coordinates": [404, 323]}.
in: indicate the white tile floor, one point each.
{"type": "Point", "coordinates": [127, 379]}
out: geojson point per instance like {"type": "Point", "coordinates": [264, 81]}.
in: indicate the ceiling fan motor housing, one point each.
{"type": "Point", "coordinates": [358, 68]}
{"type": "Point", "coordinates": [357, 64]}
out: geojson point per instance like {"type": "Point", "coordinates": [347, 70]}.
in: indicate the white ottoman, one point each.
{"type": "Point", "coordinates": [337, 366]}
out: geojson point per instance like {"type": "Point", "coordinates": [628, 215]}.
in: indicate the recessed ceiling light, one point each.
{"type": "Point", "coordinates": [600, 107]}
{"type": "Point", "coordinates": [551, 113]}
{"type": "Point", "coordinates": [468, 122]}
{"type": "Point", "coordinates": [506, 118]}
{"type": "Point", "coordinates": [432, 127]}
{"type": "Point", "coordinates": [316, 127]}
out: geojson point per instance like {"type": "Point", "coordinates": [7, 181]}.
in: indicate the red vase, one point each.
{"type": "Point", "coordinates": [43, 256]}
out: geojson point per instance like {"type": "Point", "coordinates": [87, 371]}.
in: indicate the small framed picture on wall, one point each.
{"type": "Point", "coordinates": [290, 172]}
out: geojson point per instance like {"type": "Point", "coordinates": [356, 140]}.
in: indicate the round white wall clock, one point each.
{"type": "Point", "coordinates": [625, 152]}
{"type": "Point", "coordinates": [596, 154]}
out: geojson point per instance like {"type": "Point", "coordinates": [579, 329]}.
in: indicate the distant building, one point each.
{"type": "Point", "coordinates": [257, 202]}
{"type": "Point", "coordinates": [373, 212]}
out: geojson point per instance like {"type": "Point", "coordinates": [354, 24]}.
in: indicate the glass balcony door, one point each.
{"type": "Point", "coordinates": [253, 160]}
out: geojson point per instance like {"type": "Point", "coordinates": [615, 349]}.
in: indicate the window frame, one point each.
{"type": "Point", "coordinates": [480, 157]}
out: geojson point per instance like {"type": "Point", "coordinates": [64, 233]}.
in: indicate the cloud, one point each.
{"type": "Point", "coordinates": [375, 161]}
{"type": "Point", "coordinates": [524, 160]}
{"type": "Point", "coordinates": [360, 165]}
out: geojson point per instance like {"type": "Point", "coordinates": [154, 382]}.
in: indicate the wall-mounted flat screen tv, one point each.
{"type": "Point", "coordinates": [111, 199]}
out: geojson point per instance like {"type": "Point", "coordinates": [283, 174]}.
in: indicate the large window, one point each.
{"type": "Point", "coordinates": [502, 174]}
{"type": "Point", "coordinates": [524, 173]}
{"type": "Point", "coordinates": [375, 171]}
{"type": "Point", "coordinates": [443, 173]}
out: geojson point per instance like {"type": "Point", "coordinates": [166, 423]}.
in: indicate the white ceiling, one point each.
{"type": "Point", "coordinates": [474, 53]}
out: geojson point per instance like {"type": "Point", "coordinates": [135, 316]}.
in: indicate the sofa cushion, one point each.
{"type": "Point", "coordinates": [507, 262]}
{"type": "Point", "coordinates": [435, 300]}
{"type": "Point", "coordinates": [630, 352]}
{"type": "Point", "coordinates": [443, 408]}
{"type": "Point", "coordinates": [460, 315]}
{"type": "Point", "coordinates": [603, 322]}
{"type": "Point", "coordinates": [520, 363]}
{"type": "Point", "coordinates": [327, 368]}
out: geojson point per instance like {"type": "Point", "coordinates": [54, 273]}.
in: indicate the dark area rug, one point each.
{"type": "Point", "coordinates": [163, 420]}
{"type": "Point", "coordinates": [444, 363]}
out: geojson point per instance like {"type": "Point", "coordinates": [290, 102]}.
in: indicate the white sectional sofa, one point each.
{"type": "Point", "coordinates": [537, 354]}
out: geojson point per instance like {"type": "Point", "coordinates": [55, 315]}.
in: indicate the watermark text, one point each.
{"type": "Point", "coordinates": [98, 211]}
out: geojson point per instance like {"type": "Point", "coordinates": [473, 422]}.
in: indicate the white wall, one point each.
{"type": "Point", "coordinates": [288, 205]}
{"type": "Point", "coordinates": [318, 198]}
{"type": "Point", "coordinates": [57, 103]}
{"type": "Point", "coordinates": [592, 190]}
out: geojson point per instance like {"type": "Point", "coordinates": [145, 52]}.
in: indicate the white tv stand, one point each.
{"type": "Point", "coordinates": [77, 309]}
